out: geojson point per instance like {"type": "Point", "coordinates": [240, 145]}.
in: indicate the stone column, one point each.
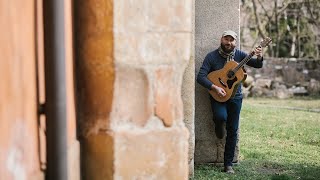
{"type": "Point", "coordinates": [212, 18]}
{"type": "Point", "coordinates": [131, 58]}
{"type": "Point", "coordinates": [152, 49]}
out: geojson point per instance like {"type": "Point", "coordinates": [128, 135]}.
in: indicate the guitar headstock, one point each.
{"type": "Point", "coordinates": [265, 42]}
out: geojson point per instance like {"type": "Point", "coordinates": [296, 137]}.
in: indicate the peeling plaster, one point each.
{"type": "Point", "coordinates": [15, 164]}
{"type": "Point", "coordinates": [15, 161]}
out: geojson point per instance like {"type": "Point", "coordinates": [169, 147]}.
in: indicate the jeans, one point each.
{"type": "Point", "coordinates": [228, 112]}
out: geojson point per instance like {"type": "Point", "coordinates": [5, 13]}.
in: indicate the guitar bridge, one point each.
{"type": "Point", "coordinates": [222, 83]}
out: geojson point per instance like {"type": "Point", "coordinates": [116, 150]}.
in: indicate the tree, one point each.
{"type": "Point", "coordinates": [293, 26]}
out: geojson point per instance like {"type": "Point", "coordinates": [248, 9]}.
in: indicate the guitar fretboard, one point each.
{"type": "Point", "coordinates": [244, 61]}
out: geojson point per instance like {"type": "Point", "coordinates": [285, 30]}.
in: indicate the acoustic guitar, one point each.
{"type": "Point", "coordinates": [231, 75]}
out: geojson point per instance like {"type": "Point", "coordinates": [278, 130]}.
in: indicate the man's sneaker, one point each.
{"type": "Point", "coordinates": [219, 129]}
{"type": "Point", "coordinates": [228, 169]}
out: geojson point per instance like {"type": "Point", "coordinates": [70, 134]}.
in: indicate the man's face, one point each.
{"type": "Point", "coordinates": [228, 44]}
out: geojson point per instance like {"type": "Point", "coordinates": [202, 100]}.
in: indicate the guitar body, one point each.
{"type": "Point", "coordinates": [229, 84]}
{"type": "Point", "coordinates": [231, 75]}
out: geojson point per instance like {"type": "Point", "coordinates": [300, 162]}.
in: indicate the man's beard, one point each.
{"type": "Point", "coordinates": [223, 47]}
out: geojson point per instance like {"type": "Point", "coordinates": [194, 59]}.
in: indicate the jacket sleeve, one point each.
{"type": "Point", "coordinates": [203, 72]}
{"type": "Point", "coordinates": [256, 63]}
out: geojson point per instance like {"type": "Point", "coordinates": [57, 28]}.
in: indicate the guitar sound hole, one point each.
{"type": "Point", "coordinates": [230, 74]}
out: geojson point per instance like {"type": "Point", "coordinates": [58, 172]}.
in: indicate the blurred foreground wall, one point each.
{"type": "Point", "coordinates": [122, 92]}
{"type": "Point", "coordinates": [131, 58]}
{"type": "Point", "coordinates": [19, 143]}
{"type": "Point", "coordinates": [24, 103]}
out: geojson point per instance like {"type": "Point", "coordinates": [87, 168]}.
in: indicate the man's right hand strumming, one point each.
{"type": "Point", "coordinates": [220, 91]}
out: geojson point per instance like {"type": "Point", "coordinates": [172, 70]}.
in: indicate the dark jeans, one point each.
{"type": "Point", "coordinates": [228, 112]}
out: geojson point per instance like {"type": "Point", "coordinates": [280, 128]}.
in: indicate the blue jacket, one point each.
{"type": "Point", "coordinates": [214, 61]}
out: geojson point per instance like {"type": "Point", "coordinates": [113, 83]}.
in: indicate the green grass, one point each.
{"type": "Point", "coordinates": [279, 139]}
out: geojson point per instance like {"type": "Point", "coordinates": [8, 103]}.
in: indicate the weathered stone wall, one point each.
{"type": "Point", "coordinates": [132, 58]}
{"type": "Point", "coordinates": [212, 17]}
{"type": "Point", "coordinates": [152, 50]}
{"type": "Point", "coordinates": [284, 78]}
{"type": "Point", "coordinates": [291, 70]}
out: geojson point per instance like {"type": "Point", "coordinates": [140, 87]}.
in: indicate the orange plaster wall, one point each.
{"type": "Point", "coordinates": [18, 107]}
{"type": "Point", "coordinates": [94, 63]}
{"type": "Point", "coordinates": [71, 117]}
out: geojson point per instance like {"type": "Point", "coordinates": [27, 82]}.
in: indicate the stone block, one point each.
{"type": "Point", "coordinates": [168, 102]}
{"type": "Point", "coordinates": [152, 48]}
{"type": "Point", "coordinates": [152, 16]}
{"type": "Point", "coordinates": [170, 15]}
{"type": "Point", "coordinates": [154, 154]}
{"type": "Point", "coordinates": [132, 96]}
{"type": "Point", "coordinates": [314, 87]}
{"type": "Point", "coordinates": [131, 16]}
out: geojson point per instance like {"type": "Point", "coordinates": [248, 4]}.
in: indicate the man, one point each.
{"type": "Point", "coordinates": [226, 112]}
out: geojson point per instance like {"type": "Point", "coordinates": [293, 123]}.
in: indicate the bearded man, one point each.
{"type": "Point", "coordinates": [226, 114]}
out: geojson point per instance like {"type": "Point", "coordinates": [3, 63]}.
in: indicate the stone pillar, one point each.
{"type": "Point", "coordinates": [131, 58]}
{"type": "Point", "coordinates": [211, 19]}
{"type": "Point", "coordinates": [152, 50]}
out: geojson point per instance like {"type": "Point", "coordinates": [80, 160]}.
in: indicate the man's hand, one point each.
{"type": "Point", "coordinates": [220, 91]}
{"type": "Point", "coordinates": [258, 52]}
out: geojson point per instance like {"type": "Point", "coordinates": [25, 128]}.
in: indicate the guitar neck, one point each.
{"type": "Point", "coordinates": [244, 61]}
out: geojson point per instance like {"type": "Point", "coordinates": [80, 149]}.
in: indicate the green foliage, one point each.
{"type": "Point", "coordinates": [293, 26]}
